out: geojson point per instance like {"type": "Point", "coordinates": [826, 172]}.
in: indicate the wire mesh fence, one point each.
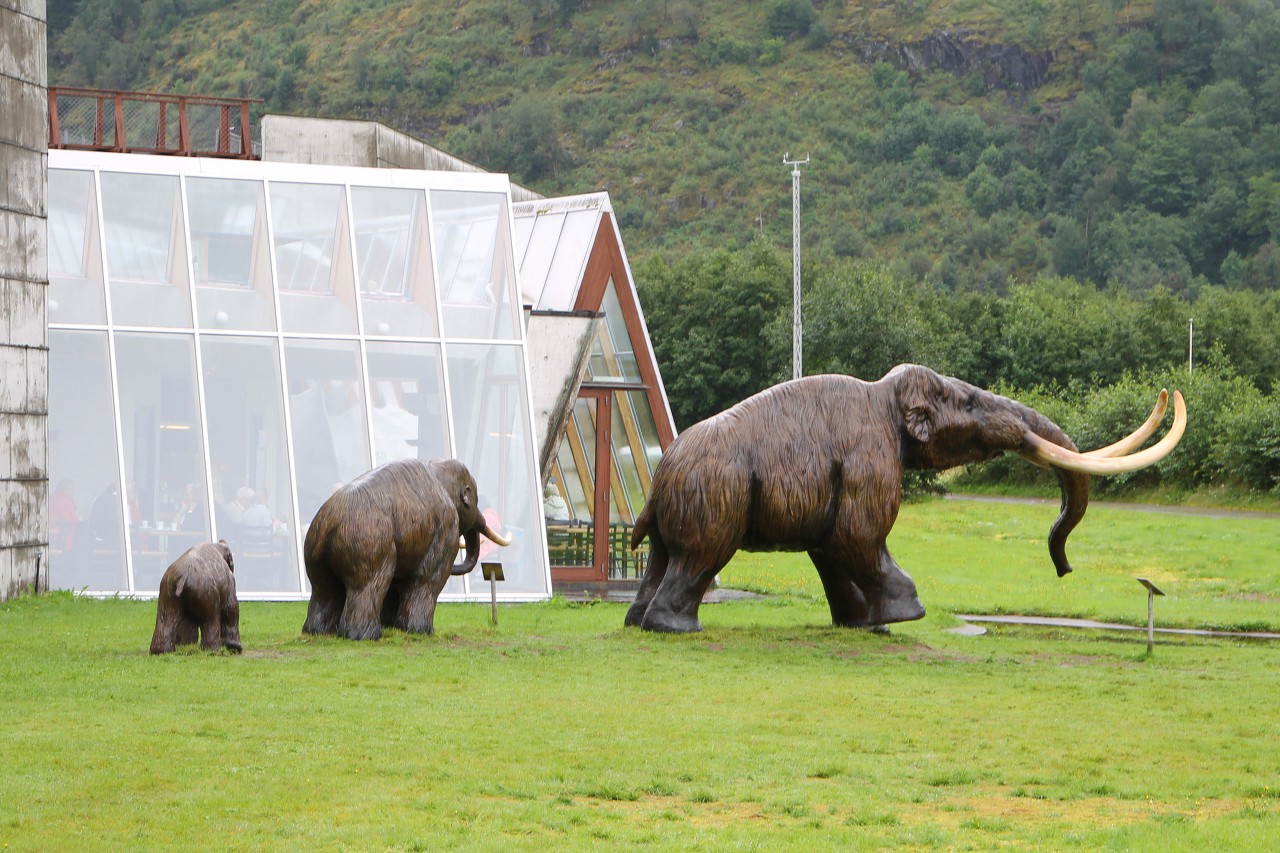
{"type": "Point", "coordinates": [104, 120]}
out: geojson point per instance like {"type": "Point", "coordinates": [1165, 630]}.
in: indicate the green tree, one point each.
{"type": "Point", "coordinates": [707, 316]}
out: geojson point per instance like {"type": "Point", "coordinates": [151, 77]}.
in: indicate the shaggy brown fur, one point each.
{"type": "Point", "coordinates": [816, 465]}
{"type": "Point", "coordinates": [382, 547]}
{"type": "Point", "coordinates": [198, 600]}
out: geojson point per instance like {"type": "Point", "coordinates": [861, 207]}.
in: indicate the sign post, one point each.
{"type": "Point", "coordinates": [493, 573]}
{"type": "Point", "coordinates": [1152, 592]}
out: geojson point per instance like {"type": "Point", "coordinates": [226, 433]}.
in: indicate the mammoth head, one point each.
{"type": "Point", "coordinates": [947, 422]}
{"type": "Point", "coordinates": [225, 550]}
{"type": "Point", "coordinates": [457, 481]}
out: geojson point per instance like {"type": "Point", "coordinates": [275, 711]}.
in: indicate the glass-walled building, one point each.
{"type": "Point", "coordinates": [230, 340]}
{"type": "Point", "coordinates": [571, 261]}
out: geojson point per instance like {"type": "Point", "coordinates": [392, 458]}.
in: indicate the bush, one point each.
{"type": "Point", "coordinates": [790, 18]}
{"type": "Point", "coordinates": [1232, 437]}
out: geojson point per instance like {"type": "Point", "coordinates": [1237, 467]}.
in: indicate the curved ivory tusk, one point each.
{"type": "Point", "coordinates": [496, 539]}
{"type": "Point", "coordinates": [1141, 434]}
{"type": "Point", "coordinates": [1041, 449]}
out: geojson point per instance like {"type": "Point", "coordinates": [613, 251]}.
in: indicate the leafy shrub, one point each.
{"type": "Point", "coordinates": [790, 18]}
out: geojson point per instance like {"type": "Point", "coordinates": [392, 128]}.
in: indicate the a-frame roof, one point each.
{"type": "Point", "coordinates": [568, 250]}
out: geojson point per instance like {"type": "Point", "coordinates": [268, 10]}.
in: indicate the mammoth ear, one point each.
{"type": "Point", "coordinates": [919, 423]}
{"type": "Point", "coordinates": [466, 499]}
{"type": "Point", "coordinates": [917, 389]}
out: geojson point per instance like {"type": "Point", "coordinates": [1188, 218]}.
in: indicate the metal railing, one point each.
{"type": "Point", "coordinates": [151, 123]}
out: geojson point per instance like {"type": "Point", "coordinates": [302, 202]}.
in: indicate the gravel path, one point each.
{"type": "Point", "coordinates": [1206, 512]}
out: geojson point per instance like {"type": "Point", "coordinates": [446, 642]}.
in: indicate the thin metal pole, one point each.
{"type": "Point", "coordinates": [797, 327]}
{"type": "Point", "coordinates": [1191, 343]}
{"type": "Point", "coordinates": [493, 599]}
{"type": "Point", "coordinates": [1151, 621]}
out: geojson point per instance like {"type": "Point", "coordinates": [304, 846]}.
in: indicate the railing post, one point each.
{"type": "Point", "coordinates": [55, 130]}
{"type": "Point", "coordinates": [121, 139]}
{"type": "Point", "coordinates": [184, 129]}
{"type": "Point", "coordinates": [246, 142]}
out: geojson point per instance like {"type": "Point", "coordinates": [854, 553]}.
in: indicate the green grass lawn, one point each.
{"type": "Point", "coordinates": [559, 729]}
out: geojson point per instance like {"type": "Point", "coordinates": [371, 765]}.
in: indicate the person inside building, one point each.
{"type": "Point", "coordinates": [553, 505]}
{"type": "Point", "coordinates": [104, 518]}
{"type": "Point", "coordinates": [63, 516]}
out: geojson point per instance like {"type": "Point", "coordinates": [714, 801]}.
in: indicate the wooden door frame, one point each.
{"type": "Point", "coordinates": [602, 399]}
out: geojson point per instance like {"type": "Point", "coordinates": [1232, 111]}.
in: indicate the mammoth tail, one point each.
{"type": "Point", "coordinates": [643, 521]}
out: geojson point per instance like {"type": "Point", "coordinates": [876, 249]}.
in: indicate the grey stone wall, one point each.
{"type": "Point", "coordinates": [24, 278]}
{"type": "Point", "coordinates": [342, 142]}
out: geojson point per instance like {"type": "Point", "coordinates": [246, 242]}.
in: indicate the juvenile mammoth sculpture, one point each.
{"type": "Point", "coordinates": [816, 465]}
{"type": "Point", "coordinates": [381, 548]}
{"type": "Point", "coordinates": [198, 599]}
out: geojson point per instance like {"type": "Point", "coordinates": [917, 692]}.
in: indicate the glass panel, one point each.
{"type": "Point", "coordinates": [146, 252]}
{"type": "Point", "coordinates": [637, 403]}
{"type": "Point", "coordinates": [86, 527]}
{"type": "Point", "coordinates": [613, 356]}
{"type": "Point", "coordinates": [572, 248]}
{"type": "Point", "coordinates": [636, 452]}
{"type": "Point", "coordinates": [229, 254]}
{"type": "Point", "coordinates": [393, 250]}
{"type": "Point", "coordinates": [536, 240]}
{"type": "Point", "coordinates": [253, 506]}
{"type": "Point", "coordinates": [407, 391]}
{"type": "Point", "coordinates": [313, 258]}
{"type": "Point", "coordinates": [491, 422]}
{"type": "Point", "coordinates": [326, 406]}
{"type": "Point", "coordinates": [75, 255]}
{"type": "Point", "coordinates": [476, 268]}
{"type": "Point", "coordinates": [578, 483]}
{"type": "Point", "coordinates": [570, 543]}
{"type": "Point", "coordinates": [626, 489]}
{"type": "Point", "coordinates": [163, 450]}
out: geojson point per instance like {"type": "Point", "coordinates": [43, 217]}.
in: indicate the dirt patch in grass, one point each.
{"type": "Point", "coordinates": [996, 805]}
{"type": "Point", "coordinates": [255, 654]}
{"type": "Point", "coordinates": [699, 814]}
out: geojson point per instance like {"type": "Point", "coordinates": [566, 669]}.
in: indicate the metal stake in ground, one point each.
{"type": "Point", "coordinates": [1152, 592]}
{"type": "Point", "coordinates": [493, 573]}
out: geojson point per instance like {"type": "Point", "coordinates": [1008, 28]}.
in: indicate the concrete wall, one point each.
{"type": "Point", "coordinates": [559, 346]}
{"type": "Point", "coordinates": [339, 142]}
{"type": "Point", "coordinates": [24, 278]}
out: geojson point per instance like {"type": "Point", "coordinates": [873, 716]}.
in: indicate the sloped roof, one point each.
{"type": "Point", "coordinates": [553, 242]}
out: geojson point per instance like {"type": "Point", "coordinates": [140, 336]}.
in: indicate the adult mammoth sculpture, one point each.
{"type": "Point", "coordinates": [816, 465]}
{"type": "Point", "coordinates": [381, 548]}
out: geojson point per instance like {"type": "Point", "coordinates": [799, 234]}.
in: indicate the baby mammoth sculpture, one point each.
{"type": "Point", "coordinates": [382, 547]}
{"type": "Point", "coordinates": [816, 465]}
{"type": "Point", "coordinates": [198, 597]}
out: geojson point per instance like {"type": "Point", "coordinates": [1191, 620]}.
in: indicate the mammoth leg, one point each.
{"type": "Point", "coordinates": [889, 592]}
{"type": "Point", "coordinates": [169, 618]}
{"type": "Point", "coordinates": [361, 616]}
{"type": "Point", "coordinates": [674, 608]}
{"type": "Point", "coordinates": [649, 584]}
{"type": "Point", "coordinates": [417, 611]}
{"type": "Point", "coordinates": [896, 599]}
{"type": "Point", "coordinates": [328, 598]}
{"type": "Point", "coordinates": [230, 617]}
{"type": "Point", "coordinates": [211, 633]}
{"type": "Point", "coordinates": [848, 604]}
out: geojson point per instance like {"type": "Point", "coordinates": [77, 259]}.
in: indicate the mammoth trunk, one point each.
{"type": "Point", "coordinates": [1075, 497]}
{"type": "Point", "coordinates": [472, 538]}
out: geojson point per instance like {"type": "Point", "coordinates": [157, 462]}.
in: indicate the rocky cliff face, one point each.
{"type": "Point", "coordinates": [960, 52]}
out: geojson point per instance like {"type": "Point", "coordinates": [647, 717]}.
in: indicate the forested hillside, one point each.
{"type": "Point", "coordinates": [965, 143]}
{"type": "Point", "coordinates": [1032, 195]}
